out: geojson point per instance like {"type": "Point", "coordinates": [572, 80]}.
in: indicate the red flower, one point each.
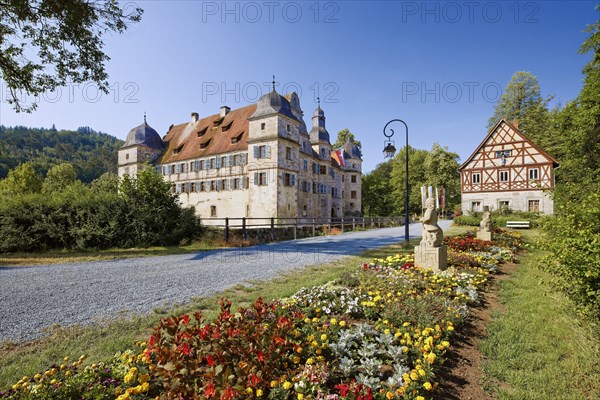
{"type": "Point", "coordinates": [186, 319]}
{"type": "Point", "coordinates": [228, 393]}
{"type": "Point", "coordinates": [343, 388]}
{"type": "Point", "coordinates": [210, 360]}
{"type": "Point", "coordinates": [209, 390]}
{"type": "Point", "coordinates": [283, 321]}
{"type": "Point", "coordinates": [278, 340]}
{"type": "Point", "coordinates": [254, 380]}
{"type": "Point", "coordinates": [184, 348]}
{"type": "Point", "coordinates": [260, 356]}
{"type": "Point", "coordinates": [204, 332]}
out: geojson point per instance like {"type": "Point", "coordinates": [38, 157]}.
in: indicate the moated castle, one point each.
{"type": "Point", "coordinates": [258, 161]}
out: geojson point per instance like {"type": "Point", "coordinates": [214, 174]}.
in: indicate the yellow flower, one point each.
{"type": "Point", "coordinates": [249, 390]}
{"type": "Point", "coordinates": [420, 398]}
{"type": "Point", "coordinates": [287, 385]}
{"type": "Point", "coordinates": [259, 393]}
{"type": "Point", "coordinates": [323, 337]}
{"type": "Point", "coordinates": [273, 384]}
{"type": "Point", "coordinates": [342, 323]}
{"type": "Point", "coordinates": [427, 386]}
{"type": "Point", "coordinates": [333, 321]}
{"type": "Point", "coordinates": [310, 361]}
{"type": "Point", "coordinates": [389, 395]}
{"type": "Point", "coordinates": [144, 378]}
{"type": "Point", "coordinates": [430, 358]}
{"type": "Point", "coordinates": [414, 376]}
{"type": "Point", "coordinates": [296, 359]}
{"type": "Point", "coordinates": [300, 396]}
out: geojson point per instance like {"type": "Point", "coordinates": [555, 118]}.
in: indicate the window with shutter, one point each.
{"type": "Point", "coordinates": [244, 157]}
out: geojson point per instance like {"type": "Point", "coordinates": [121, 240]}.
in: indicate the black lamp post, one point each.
{"type": "Point", "coordinates": [389, 150]}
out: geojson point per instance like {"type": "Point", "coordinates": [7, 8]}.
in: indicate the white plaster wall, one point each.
{"type": "Point", "coordinates": [518, 201]}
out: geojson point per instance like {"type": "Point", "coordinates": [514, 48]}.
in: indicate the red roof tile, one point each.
{"type": "Point", "coordinates": [219, 142]}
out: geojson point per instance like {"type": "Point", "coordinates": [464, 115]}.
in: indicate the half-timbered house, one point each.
{"type": "Point", "coordinates": [508, 170]}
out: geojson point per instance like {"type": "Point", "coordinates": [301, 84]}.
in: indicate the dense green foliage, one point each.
{"type": "Point", "coordinates": [91, 153]}
{"type": "Point", "coordinates": [45, 44]}
{"type": "Point", "coordinates": [573, 239]}
{"type": "Point", "coordinates": [63, 213]}
{"type": "Point", "coordinates": [383, 189]}
{"type": "Point", "coordinates": [343, 136]}
{"type": "Point", "coordinates": [572, 135]}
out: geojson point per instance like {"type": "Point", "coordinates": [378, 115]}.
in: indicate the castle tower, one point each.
{"type": "Point", "coordinates": [142, 146]}
{"type": "Point", "coordinates": [273, 157]}
{"type": "Point", "coordinates": [352, 178]}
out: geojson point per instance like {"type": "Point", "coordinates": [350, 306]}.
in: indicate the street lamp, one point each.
{"type": "Point", "coordinates": [389, 150]}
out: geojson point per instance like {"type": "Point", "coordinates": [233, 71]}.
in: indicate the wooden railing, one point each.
{"type": "Point", "coordinates": [247, 226]}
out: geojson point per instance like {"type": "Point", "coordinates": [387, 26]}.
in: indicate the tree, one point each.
{"type": "Point", "coordinates": [59, 178]}
{"type": "Point", "coordinates": [522, 101]}
{"type": "Point", "coordinates": [155, 215]}
{"type": "Point", "coordinates": [45, 44]}
{"type": "Point", "coordinates": [441, 169]}
{"type": "Point", "coordinates": [343, 136]}
{"type": "Point", "coordinates": [21, 180]}
{"type": "Point", "coordinates": [106, 183]}
{"type": "Point", "coordinates": [416, 179]}
{"type": "Point", "coordinates": [377, 193]}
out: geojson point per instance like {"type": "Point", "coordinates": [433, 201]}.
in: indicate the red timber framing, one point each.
{"type": "Point", "coordinates": [507, 161]}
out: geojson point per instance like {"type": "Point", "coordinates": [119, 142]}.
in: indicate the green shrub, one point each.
{"type": "Point", "coordinates": [572, 237]}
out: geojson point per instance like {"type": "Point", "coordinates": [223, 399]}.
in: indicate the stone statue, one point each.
{"type": "Point", "coordinates": [432, 233]}
{"type": "Point", "coordinates": [485, 226]}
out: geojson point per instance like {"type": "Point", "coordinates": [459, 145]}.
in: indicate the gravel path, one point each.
{"type": "Point", "coordinates": [34, 298]}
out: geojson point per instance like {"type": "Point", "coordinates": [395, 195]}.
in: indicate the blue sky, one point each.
{"type": "Point", "coordinates": [439, 66]}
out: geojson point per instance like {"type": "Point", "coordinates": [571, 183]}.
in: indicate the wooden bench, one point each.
{"type": "Point", "coordinates": [518, 224]}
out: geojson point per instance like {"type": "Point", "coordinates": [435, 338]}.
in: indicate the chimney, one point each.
{"type": "Point", "coordinates": [194, 117]}
{"type": "Point", "coordinates": [224, 110]}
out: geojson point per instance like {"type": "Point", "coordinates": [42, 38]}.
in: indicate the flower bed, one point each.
{"type": "Point", "coordinates": [379, 333]}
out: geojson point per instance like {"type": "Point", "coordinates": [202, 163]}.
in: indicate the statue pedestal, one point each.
{"type": "Point", "coordinates": [435, 258]}
{"type": "Point", "coordinates": [484, 235]}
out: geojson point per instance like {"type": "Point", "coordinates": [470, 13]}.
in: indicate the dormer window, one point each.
{"type": "Point", "coordinates": [202, 132]}
{"type": "Point", "coordinates": [218, 121]}
{"type": "Point", "coordinates": [225, 128]}
{"type": "Point", "coordinates": [237, 138]}
{"type": "Point", "coordinates": [205, 144]}
{"type": "Point", "coordinates": [289, 129]}
{"type": "Point", "coordinates": [262, 126]}
{"type": "Point", "coordinates": [178, 149]}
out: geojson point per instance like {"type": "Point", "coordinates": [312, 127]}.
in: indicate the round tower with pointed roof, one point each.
{"type": "Point", "coordinates": [319, 137]}
{"type": "Point", "coordinates": [143, 146]}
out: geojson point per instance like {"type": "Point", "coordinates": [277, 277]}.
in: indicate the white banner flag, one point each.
{"type": "Point", "coordinates": [423, 197]}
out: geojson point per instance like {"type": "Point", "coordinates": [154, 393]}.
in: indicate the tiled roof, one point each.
{"type": "Point", "coordinates": [183, 141]}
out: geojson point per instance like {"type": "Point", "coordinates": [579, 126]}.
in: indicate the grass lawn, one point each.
{"type": "Point", "coordinates": [536, 347]}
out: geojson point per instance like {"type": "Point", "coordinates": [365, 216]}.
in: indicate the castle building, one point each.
{"type": "Point", "coordinates": [258, 161]}
{"type": "Point", "coordinates": [508, 170]}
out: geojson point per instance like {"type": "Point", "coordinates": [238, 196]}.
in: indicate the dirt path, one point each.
{"type": "Point", "coordinates": [461, 377]}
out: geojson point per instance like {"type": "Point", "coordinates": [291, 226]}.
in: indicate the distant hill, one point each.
{"type": "Point", "coordinates": [91, 153]}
